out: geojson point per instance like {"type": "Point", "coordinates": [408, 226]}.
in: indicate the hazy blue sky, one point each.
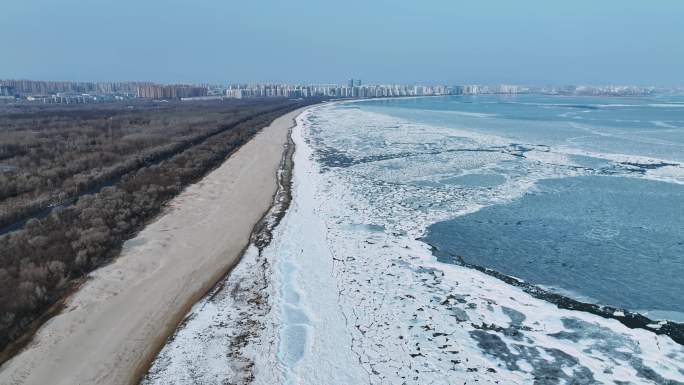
{"type": "Point", "coordinates": [454, 41]}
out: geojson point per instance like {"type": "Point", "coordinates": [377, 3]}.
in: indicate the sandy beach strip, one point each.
{"type": "Point", "coordinates": [117, 321]}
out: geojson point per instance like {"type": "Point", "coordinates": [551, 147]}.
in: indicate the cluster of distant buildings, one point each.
{"type": "Point", "coordinates": [157, 91]}
{"type": "Point", "coordinates": [354, 89]}
{"type": "Point", "coordinates": [67, 92]}
{"type": "Point", "coordinates": [94, 92]}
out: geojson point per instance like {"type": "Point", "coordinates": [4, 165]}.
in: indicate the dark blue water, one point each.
{"type": "Point", "coordinates": [619, 241]}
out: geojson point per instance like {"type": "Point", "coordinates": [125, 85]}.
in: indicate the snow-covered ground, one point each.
{"type": "Point", "coordinates": [346, 293]}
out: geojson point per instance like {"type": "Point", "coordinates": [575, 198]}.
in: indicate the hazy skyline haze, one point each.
{"type": "Point", "coordinates": [525, 42]}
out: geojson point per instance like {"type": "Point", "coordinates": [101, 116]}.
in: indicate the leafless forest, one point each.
{"type": "Point", "coordinates": [77, 181]}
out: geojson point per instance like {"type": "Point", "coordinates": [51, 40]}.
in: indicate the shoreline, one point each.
{"type": "Point", "coordinates": [260, 236]}
{"type": "Point", "coordinates": [237, 302]}
{"type": "Point", "coordinates": [108, 333]}
{"type": "Point", "coordinates": [308, 307]}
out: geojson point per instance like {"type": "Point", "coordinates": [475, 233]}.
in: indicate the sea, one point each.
{"type": "Point", "coordinates": [507, 239]}
{"type": "Point", "coordinates": [587, 200]}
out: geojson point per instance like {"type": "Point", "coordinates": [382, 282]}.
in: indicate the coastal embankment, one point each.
{"type": "Point", "coordinates": [117, 321]}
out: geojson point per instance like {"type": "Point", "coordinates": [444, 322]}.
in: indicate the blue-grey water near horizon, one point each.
{"type": "Point", "coordinates": [581, 195]}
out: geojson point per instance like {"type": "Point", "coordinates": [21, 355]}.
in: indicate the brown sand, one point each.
{"type": "Point", "coordinates": [116, 322]}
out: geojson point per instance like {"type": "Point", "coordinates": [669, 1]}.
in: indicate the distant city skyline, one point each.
{"type": "Point", "coordinates": [304, 41]}
{"type": "Point", "coordinates": [57, 92]}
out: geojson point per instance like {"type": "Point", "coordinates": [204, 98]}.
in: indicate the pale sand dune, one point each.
{"type": "Point", "coordinates": [117, 321]}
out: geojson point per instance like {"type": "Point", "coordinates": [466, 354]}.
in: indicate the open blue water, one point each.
{"type": "Point", "coordinates": [615, 240]}
{"type": "Point", "coordinates": [581, 194]}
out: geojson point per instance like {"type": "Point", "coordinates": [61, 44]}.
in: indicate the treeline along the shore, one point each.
{"type": "Point", "coordinates": [50, 155]}
{"type": "Point", "coordinates": [108, 170]}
